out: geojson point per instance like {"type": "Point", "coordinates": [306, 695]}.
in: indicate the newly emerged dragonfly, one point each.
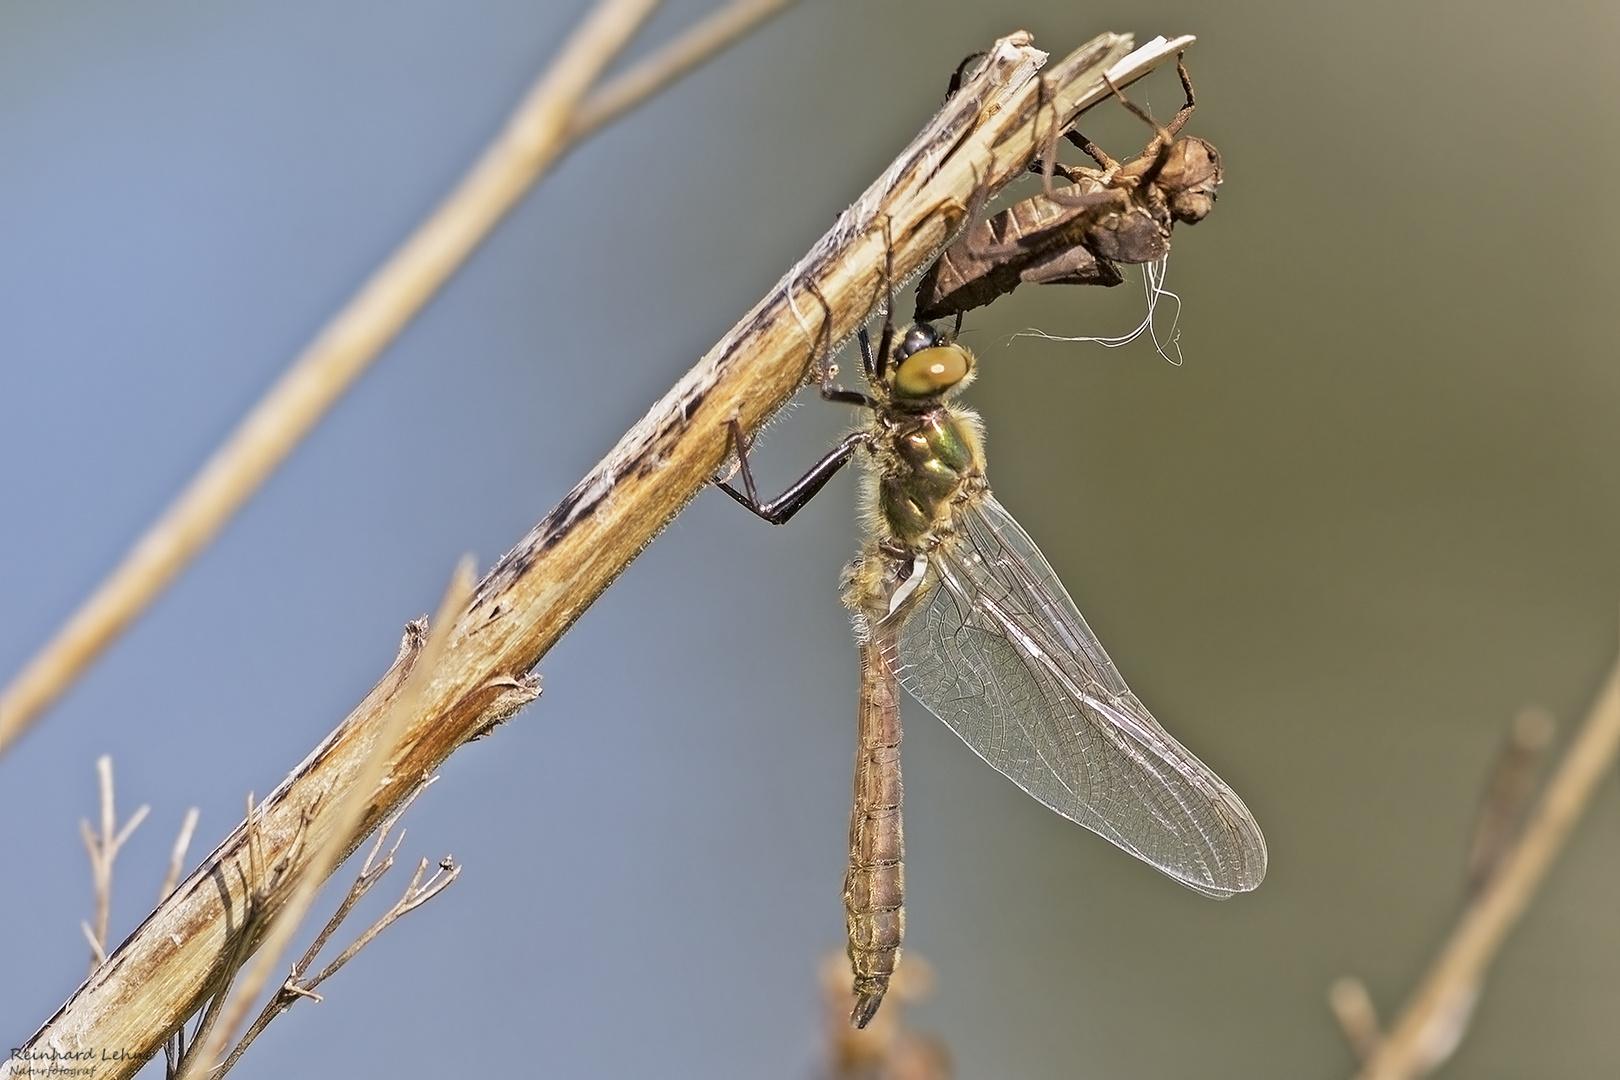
{"type": "Point", "coordinates": [954, 602]}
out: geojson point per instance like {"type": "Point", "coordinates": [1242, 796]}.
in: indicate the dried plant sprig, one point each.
{"type": "Point", "coordinates": [371, 871]}
{"type": "Point", "coordinates": [416, 894]}
{"type": "Point", "coordinates": [335, 844]}
{"type": "Point", "coordinates": [1436, 1014]}
{"type": "Point", "coordinates": [103, 851]}
{"type": "Point", "coordinates": [981, 139]}
{"type": "Point", "coordinates": [553, 116]}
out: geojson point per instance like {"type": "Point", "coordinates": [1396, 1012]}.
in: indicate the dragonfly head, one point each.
{"type": "Point", "coordinates": [1190, 178]}
{"type": "Point", "coordinates": [928, 365]}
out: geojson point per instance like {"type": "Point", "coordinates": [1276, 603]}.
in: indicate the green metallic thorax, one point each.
{"type": "Point", "coordinates": [925, 461]}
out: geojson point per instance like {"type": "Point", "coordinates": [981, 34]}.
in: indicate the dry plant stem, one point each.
{"type": "Point", "coordinates": [550, 119]}
{"type": "Point", "coordinates": [983, 137]}
{"type": "Point", "coordinates": [334, 847]}
{"type": "Point", "coordinates": [371, 872]}
{"type": "Point", "coordinates": [1485, 923]}
{"type": "Point", "coordinates": [103, 851]}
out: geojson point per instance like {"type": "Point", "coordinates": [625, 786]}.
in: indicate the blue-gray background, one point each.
{"type": "Point", "coordinates": [1371, 517]}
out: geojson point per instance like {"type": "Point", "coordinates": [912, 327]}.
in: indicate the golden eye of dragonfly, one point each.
{"type": "Point", "coordinates": [931, 371]}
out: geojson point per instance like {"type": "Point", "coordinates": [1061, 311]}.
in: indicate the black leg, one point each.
{"type": "Point", "coordinates": [866, 354]}
{"type": "Point", "coordinates": [877, 365]}
{"type": "Point", "coordinates": [782, 508]}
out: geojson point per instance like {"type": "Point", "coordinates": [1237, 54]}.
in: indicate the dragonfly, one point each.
{"type": "Point", "coordinates": [954, 602]}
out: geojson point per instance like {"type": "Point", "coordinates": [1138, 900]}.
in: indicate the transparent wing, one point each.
{"type": "Point", "coordinates": [997, 650]}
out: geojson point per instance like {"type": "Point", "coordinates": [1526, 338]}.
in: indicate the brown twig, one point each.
{"type": "Point", "coordinates": [982, 138]}
{"type": "Point", "coordinates": [553, 116]}
{"type": "Point", "coordinates": [103, 850]}
{"type": "Point", "coordinates": [1437, 1012]}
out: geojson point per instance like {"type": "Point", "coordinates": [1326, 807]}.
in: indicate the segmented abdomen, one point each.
{"type": "Point", "coordinates": [874, 887]}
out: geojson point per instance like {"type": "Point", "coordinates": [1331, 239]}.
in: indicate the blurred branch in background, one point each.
{"type": "Point", "coordinates": [183, 956]}
{"type": "Point", "coordinates": [886, 1049]}
{"type": "Point", "coordinates": [103, 850]}
{"type": "Point", "coordinates": [1505, 869]}
{"type": "Point", "coordinates": [556, 114]}
{"type": "Point", "coordinates": [177, 855]}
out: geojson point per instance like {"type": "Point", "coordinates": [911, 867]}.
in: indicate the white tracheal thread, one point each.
{"type": "Point", "coordinates": [919, 568]}
{"type": "Point", "coordinates": [1153, 275]}
{"type": "Point", "coordinates": [862, 627]}
{"type": "Point", "coordinates": [793, 305]}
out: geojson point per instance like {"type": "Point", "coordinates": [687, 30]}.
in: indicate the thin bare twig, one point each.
{"type": "Point", "coordinates": [982, 138]}
{"type": "Point", "coordinates": [416, 894]}
{"type": "Point", "coordinates": [333, 848]}
{"type": "Point", "coordinates": [552, 117]}
{"type": "Point", "coordinates": [103, 851]}
{"type": "Point", "coordinates": [1436, 1014]}
{"type": "Point", "coordinates": [371, 872]}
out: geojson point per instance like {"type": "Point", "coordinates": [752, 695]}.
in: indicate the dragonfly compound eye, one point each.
{"type": "Point", "coordinates": [931, 371]}
{"type": "Point", "coordinates": [921, 336]}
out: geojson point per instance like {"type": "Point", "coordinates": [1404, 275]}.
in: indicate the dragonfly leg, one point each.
{"type": "Point", "coordinates": [831, 391]}
{"type": "Point", "coordinates": [1163, 136]}
{"type": "Point", "coordinates": [782, 508]}
{"type": "Point", "coordinates": [1182, 114]}
{"type": "Point", "coordinates": [1092, 150]}
{"type": "Point", "coordinates": [960, 73]}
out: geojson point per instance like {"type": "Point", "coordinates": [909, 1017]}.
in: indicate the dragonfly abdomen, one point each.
{"type": "Point", "coordinates": [874, 886]}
